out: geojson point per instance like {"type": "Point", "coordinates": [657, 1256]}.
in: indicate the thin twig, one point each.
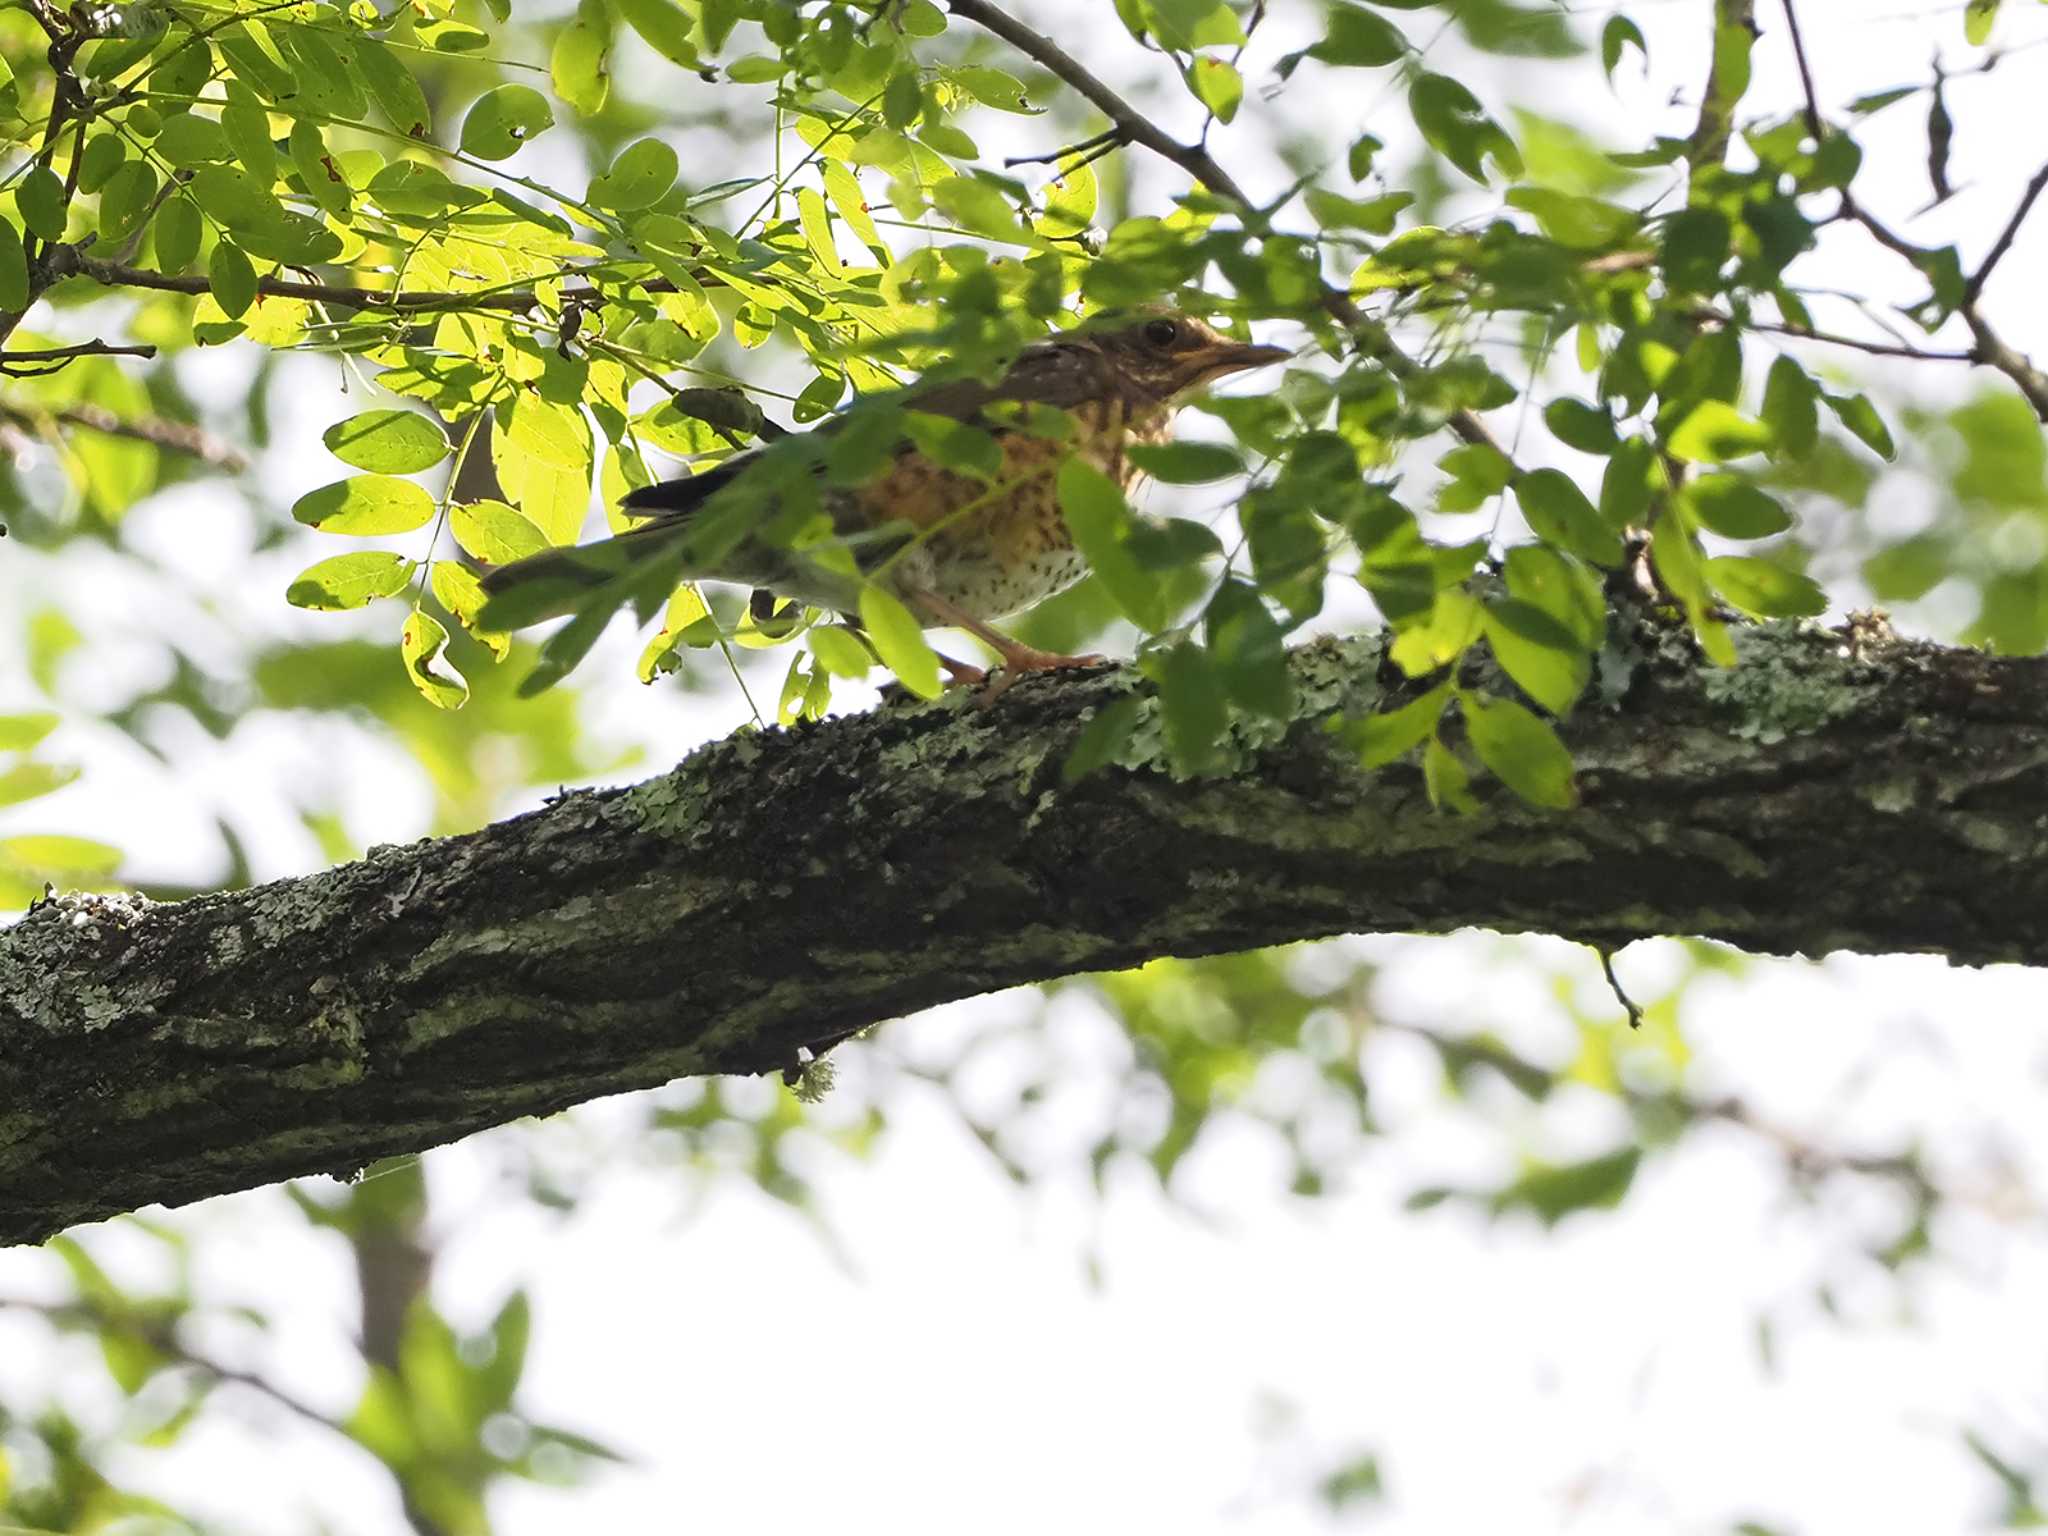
{"type": "Point", "coordinates": [37, 361]}
{"type": "Point", "coordinates": [1991, 350]}
{"type": "Point", "coordinates": [179, 436]}
{"type": "Point", "coordinates": [1112, 136]}
{"type": "Point", "coordinates": [2006, 236]}
{"type": "Point", "coordinates": [1629, 1005]}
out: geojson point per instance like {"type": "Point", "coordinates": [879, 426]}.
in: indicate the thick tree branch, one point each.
{"type": "Point", "coordinates": [1837, 790]}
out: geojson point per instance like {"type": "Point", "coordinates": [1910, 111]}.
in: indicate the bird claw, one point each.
{"type": "Point", "coordinates": [1021, 663]}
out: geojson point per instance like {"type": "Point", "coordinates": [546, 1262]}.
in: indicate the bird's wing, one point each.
{"type": "Point", "coordinates": [1057, 373]}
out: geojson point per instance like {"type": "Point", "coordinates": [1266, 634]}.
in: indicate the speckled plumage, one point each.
{"type": "Point", "coordinates": [969, 551]}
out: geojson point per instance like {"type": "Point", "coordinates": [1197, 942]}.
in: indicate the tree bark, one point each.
{"type": "Point", "coordinates": [1840, 789]}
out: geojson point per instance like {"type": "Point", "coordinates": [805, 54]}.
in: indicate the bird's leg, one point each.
{"type": "Point", "coordinates": [961, 671]}
{"type": "Point", "coordinates": [1017, 656]}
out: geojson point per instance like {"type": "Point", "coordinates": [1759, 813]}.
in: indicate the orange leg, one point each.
{"type": "Point", "coordinates": [1017, 657]}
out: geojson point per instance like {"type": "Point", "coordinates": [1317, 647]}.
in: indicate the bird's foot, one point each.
{"type": "Point", "coordinates": [1019, 661]}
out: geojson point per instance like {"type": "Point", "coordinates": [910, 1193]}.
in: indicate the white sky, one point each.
{"type": "Point", "coordinates": [950, 1363]}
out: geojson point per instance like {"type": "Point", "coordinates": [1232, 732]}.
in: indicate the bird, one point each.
{"type": "Point", "coordinates": [957, 550]}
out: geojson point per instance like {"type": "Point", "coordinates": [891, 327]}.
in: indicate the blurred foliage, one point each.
{"type": "Point", "coordinates": [641, 236]}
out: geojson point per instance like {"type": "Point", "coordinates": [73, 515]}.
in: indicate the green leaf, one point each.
{"type": "Point", "coordinates": [1620, 32]}
{"type": "Point", "coordinates": [1100, 520]}
{"type": "Point", "coordinates": [1188, 463]}
{"type": "Point", "coordinates": [899, 640]}
{"type": "Point", "coordinates": [1558, 511]}
{"type": "Point", "coordinates": [104, 153]}
{"type": "Point", "coordinates": [125, 199]}
{"type": "Point", "coordinates": [18, 733]}
{"type": "Point", "coordinates": [1767, 590]}
{"type": "Point", "coordinates": [1545, 659]}
{"type": "Point", "coordinates": [1376, 215]}
{"type": "Point", "coordinates": [643, 171]}
{"type": "Point", "coordinates": [393, 442]}
{"type": "Point", "coordinates": [230, 279]}
{"type": "Point", "coordinates": [247, 126]}
{"type": "Point", "coordinates": [1978, 17]}
{"type": "Point", "coordinates": [397, 93]}
{"type": "Point", "coordinates": [1857, 414]}
{"type": "Point", "coordinates": [1552, 1191]}
{"type": "Point", "coordinates": [1249, 649]}
{"type": "Point", "coordinates": [316, 168]}
{"type": "Point", "coordinates": [579, 67]}
{"type": "Point", "coordinates": [1193, 705]}
{"type": "Point", "coordinates": [957, 445]}
{"type": "Point", "coordinates": [1380, 739]}
{"type": "Point", "coordinates": [1217, 85]}
{"type": "Point", "coordinates": [1576, 424]}
{"type": "Point", "coordinates": [1456, 126]}
{"type": "Point", "coordinates": [420, 645]}
{"type": "Point", "coordinates": [503, 120]}
{"type": "Point", "coordinates": [13, 269]}
{"type": "Point", "coordinates": [365, 505]}
{"type": "Point", "coordinates": [176, 234]}
{"type": "Point", "coordinates": [1447, 779]}
{"type": "Point", "coordinates": [46, 854]}
{"type": "Point", "coordinates": [1357, 37]}
{"type": "Point", "coordinates": [1734, 508]}
{"type": "Point", "coordinates": [40, 197]}
{"type": "Point", "coordinates": [996, 88]}
{"type": "Point", "coordinates": [349, 581]}
{"type": "Point", "coordinates": [190, 141]}
{"type": "Point", "coordinates": [1714, 432]}
{"type": "Point", "coordinates": [664, 26]}
{"type": "Point", "coordinates": [1478, 472]}
{"type": "Point", "coordinates": [1521, 750]}
{"type": "Point", "coordinates": [839, 651]}
{"type": "Point", "coordinates": [30, 781]}
{"type": "Point", "coordinates": [1791, 410]}
{"type": "Point", "coordinates": [457, 589]}
{"type": "Point", "coordinates": [495, 533]}
{"type": "Point", "coordinates": [1561, 587]}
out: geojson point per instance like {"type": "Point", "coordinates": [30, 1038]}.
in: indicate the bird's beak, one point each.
{"type": "Point", "coordinates": [1236, 356]}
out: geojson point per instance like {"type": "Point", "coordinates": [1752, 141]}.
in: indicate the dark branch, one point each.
{"type": "Point", "coordinates": [2006, 237]}
{"type": "Point", "coordinates": [777, 892]}
{"type": "Point", "coordinates": [34, 362]}
{"type": "Point", "coordinates": [1991, 350]}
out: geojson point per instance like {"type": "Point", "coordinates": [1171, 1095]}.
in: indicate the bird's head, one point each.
{"type": "Point", "coordinates": [1171, 355]}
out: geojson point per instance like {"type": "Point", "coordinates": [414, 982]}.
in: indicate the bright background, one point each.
{"type": "Point", "coordinates": [929, 1346]}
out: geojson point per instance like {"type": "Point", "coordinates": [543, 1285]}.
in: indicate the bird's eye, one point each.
{"type": "Point", "coordinates": [1161, 333]}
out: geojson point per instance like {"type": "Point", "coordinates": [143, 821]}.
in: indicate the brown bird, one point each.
{"type": "Point", "coordinates": [957, 550]}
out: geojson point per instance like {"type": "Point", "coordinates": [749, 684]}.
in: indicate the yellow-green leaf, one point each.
{"type": "Point", "coordinates": [392, 442]}
{"type": "Point", "coordinates": [349, 581]}
{"type": "Point", "coordinates": [899, 640]}
{"type": "Point", "coordinates": [495, 533]}
{"type": "Point", "coordinates": [420, 645]}
{"type": "Point", "coordinates": [1521, 750]}
{"type": "Point", "coordinates": [364, 505]}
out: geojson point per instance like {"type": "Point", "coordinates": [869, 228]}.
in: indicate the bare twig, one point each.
{"type": "Point", "coordinates": [179, 436]}
{"type": "Point", "coordinates": [71, 261]}
{"type": "Point", "coordinates": [1991, 350]}
{"type": "Point", "coordinates": [2006, 236]}
{"type": "Point", "coordinates": [36, 361]}
{"type": "Point", "coordinates": [1112, 137]}
{"type": "Point", "coordinates": [1629, 1005]}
